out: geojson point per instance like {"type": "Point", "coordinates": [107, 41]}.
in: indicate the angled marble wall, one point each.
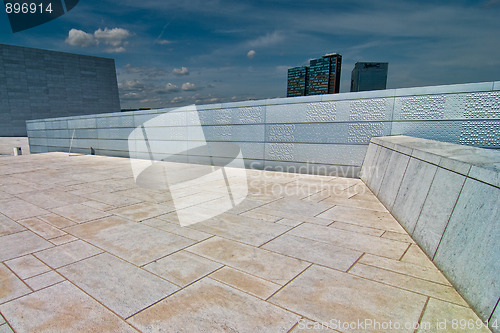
{"type": "Point", "coordinates": [325, 134]}
{"type": "Point", "coordinates": [36, 84]}
{"type": "Point", "coordinates": [447, 197]}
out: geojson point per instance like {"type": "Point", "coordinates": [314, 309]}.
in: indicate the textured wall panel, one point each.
{"type": "Point", "coordinates": [483, 105]}
{"type": "Point", "coordinates": [485, 133]}
{"type": "Point", "coordinates": [301, 113]}
{"type": "Point", "coordinates": [372, 109]}
{"type": "Point", "coordinates": [56, 124]}
{"type": "Point", "coordinates": [43, 84]}
{"type": "Point", "coordinates": [59, 133]}
{"type": "Point", "coordinates": [161, 147]}
{"type": "Point", "coordinates": [39, 125]}
{"type": "Point", "coordinates": [352, 133]}
{"type": "Point", "coordinates": [447, 131]}
{"type": "Point", "coordinates": [58, 142]}
{"type": "Point", "coordinates": [85, 133]}
{"type": "Point", "coordinates": [82, 123]}
{"type": "Point", "coordinates": [321, 130]}
{"type": "Point", "coordinates": [118, 121]}
{"type": "Point", "coordinates": [233, 116]}
{"type": "Point", "coordinates": [114, 133]}
{"type": "Point", "coordinates": [249, 115]}
{"type": "Point", "coordinates": [234, 133]}
{"type": "Point", "coordinates": [281, 133]}
{"type": "Point", "coordinates": [77, 143]}
{"type": "Point", "coordinates": [321, 112]}
{"type": "Point", "coordinates": [38, 142]}
{"type": "Point", "coordinates": [316, 153]}
{"type": "Point", "coordinates": [109, 144]}
{"type": "Point", "coordinates": [420, 107]}
{"type": "Point", "coordinates": [163, 133]}
{"type": "Point", "coordinates": [363, 132]}
{"type": "Point", "coordinates": [287, 113]}
{"type": "Point", "coordinates": [140, 117]}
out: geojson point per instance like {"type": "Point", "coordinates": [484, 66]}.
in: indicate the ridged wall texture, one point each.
{"type": "Point", "coordinates": [326, 134]}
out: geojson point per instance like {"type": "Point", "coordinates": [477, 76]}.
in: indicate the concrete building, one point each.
{"type": "Point", "coordinates": [36, 84]}
{"type": "Point", "coordinates": [369, 76]}
{"type": "Point", "coordinates": [322, 76]}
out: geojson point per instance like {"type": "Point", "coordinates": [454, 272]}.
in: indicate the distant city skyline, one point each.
{"type": "Point", "coordinates": [171, 53]}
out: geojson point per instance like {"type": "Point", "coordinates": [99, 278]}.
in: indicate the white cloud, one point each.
{"type": "Point", "coordinates": [282, 69]}
{"type": "Point", "coordinates": [132, 96]}
{"type": "Point", "coordinates": [171, 87]}
{"type": "Point", "coordinates": [209, 99]}
{"type": "Point", "coordinates": [168, 88]}
{"type": "Point", "coordinates": [115, 39]}
{"type": "Point", "coordinates": [80, 38]}
{"type": "Point", "coordinates": [189, 86]}
{"type": "Point", "coordinates": [181, 71]}
{"type": "Point", "coordinates": [267, 40]}
{"type": "Point", "coordinates": [115, 49]}
{"type": "Point", "coordinates": [163, 42]}
{"type": "Point", "coordinates": [177, 99]}
{"type": "Point", "coordinates": [251, 54]}
{"type": "Point", "coordinates": [145, 72]}
{"type": "Point", "coordinates": [131, 85]}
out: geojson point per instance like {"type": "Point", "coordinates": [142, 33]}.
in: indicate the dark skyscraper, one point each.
{"type": "Point", "coordinates": [321, 77]}
{"type": "Point", "coordinates": [297, 81]}
{"type": "Point", "coordinates": [369, 76]}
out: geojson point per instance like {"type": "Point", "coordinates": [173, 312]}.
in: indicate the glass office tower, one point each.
{"type": "Point", "coordinates": [322, 76]}
{"type": "Point", "coordinates": [369, 76]}
{"type": "Point", "coordinates": [297, 81]}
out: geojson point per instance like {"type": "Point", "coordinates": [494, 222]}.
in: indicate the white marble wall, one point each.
{"type": "Point", "coordinates": [447, 197]}
{"type": "Point", "coordinates": [326, 134]}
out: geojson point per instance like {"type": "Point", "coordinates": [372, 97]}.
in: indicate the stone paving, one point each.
{"type": "Point", "coordinates": [85, 249]}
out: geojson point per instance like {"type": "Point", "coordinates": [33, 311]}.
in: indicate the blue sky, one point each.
{"type": "Point", "coordinates": [173, 53]}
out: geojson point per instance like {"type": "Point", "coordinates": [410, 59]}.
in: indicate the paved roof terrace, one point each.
{"type": "Point", "coordinates": [84, 248]}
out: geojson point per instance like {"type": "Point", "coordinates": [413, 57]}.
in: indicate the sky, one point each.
{"type": "Point", "coordinates": [174, 53]}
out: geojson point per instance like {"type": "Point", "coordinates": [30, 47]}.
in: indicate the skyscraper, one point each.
{"type": "Point", "coordinates": [297, 81]}
{"type": "Point", "coordinates": [322, 76]}
{"type": "Point", "coordinates": [369, 76]}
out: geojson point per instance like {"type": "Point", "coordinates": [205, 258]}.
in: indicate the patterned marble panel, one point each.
{"type": "Point", "coordinates": [340, 154]}
{"type": "Point", "coordinates": [56, 124]}
{"type": "Point", "coordinates": [447, 131]}
{"type": "Point", "coordinates": [420, 107]}
{"type": "Point", "coordinates": [113, 122]}
{"type": "Point", "coordinates": [482, 105]}
{"type": "Point", "coordinates": [356, 132]}
{"type": "Point", "coordinates": [371, 109]}
{"type": "Point", "coordinates": [113, 133]}
{"type": "Point", "coordinates": [483, 133]}
{"type": "Point", "coordinates": [82, 123]}
{"type": "Point", "coordinates": [234, 133]}
{"type": "Point", "coordinates": [302, 113]}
